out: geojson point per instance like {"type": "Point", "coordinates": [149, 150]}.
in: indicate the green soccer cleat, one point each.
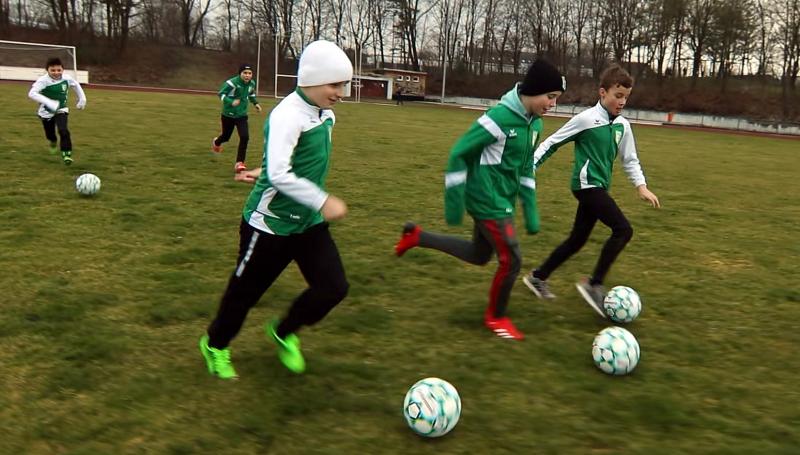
{"type": "Point", "coordinates": [66, 155]}
{"type": "Point", "coordinates": [288, 349]}
{"type": "Point", "coordinates": [218, 361]}
{"type": "Point", "coordinates": [53, 148]}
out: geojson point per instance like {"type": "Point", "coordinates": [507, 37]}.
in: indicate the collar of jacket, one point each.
{"type": "Point", "coordinates": [512, 101]}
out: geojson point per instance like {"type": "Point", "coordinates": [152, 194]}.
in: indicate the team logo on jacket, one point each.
{"type": "Point", "coordinates": [512, 133]}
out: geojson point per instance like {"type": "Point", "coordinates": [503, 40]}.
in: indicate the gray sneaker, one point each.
{"type": "Point", "coordinates": [593, 295]}
{"type": "Point", "coordinates": [538, 287]}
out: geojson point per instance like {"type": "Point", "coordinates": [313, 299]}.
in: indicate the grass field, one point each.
{"type": "Point", "coordinates": [103, 299]}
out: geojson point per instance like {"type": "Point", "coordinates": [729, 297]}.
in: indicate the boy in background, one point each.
{"type": "Point", "coordinates": [236, 93]}
{"type": "Point", "coordinates": [51, 91]}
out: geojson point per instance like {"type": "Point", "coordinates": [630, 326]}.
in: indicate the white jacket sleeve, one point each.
{"type": "Point", "coordinates": [76, 87]}
{"type": "Point", "coordinates": [564, 134]}
{"type": "Point", "coordinates": [629, 159]}
{"type": "Point", "coordinates": [284, 132]}
{"type": "Point", "coordinates": [36, 95]}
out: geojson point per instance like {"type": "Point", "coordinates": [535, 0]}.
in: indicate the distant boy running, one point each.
{"type": "Point", "coordinates": [50, 91]}
{"type": "Point", "coordinates": [235, 94]}
{"type": "Point", "coordinates": [489, 166]}
{"type": "Point", "coordinates": [285, 217]}
{"type": "Point", "coordinates": [600, 134]}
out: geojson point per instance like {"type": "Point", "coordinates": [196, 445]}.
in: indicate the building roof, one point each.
{"type": "Point", "coordinates": [399, 71]}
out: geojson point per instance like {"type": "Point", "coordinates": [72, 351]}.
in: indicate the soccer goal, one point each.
{"type": "Point", "coordinates": [25, 61]}
{"type": "Point", "coordinates": [285, 80]}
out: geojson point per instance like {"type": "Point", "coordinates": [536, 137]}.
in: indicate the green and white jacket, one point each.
{"type": "Point", "coordinates": [51, 94]}
{"type": "Point", "coordinates": [492, 164]}
{"type": "Point", "coordinates": [289, 193]}
{"type": "Point", "coordinates": [598, 140]}
{"type": "Point", "coordinates": [236, 89]}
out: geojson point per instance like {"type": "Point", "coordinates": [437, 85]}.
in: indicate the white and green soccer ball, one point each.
{"type": "Point", "coordinates": [432, 407]}
{"type": "Point", "coordinates": [622, 304]}
{"type": "Point", "coordinates": [615, 351]}
{"type": "Point", "coordinates": [88, 184]}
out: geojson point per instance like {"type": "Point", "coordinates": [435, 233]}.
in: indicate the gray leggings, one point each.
{"type": "Point", "coordinates": [488, 236]}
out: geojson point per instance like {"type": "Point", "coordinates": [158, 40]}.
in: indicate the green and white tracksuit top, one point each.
{"type": "Point", "coordinates": [51, 94]}
{"type": "Point", "coordinates": [598, 140]}
{"type": "Point", "coordinates": [492, 164]}
{"type": "Point", "coordinates": [236, 89]}
{"type": "Point", "coordinates": [290, 191]}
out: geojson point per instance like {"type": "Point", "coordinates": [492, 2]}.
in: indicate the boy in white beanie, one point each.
{"type": "Point", "coordinates": [286, 216]}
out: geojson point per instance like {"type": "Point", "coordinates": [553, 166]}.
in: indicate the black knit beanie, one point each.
{"type": "Point", "coordinates": [245, 66]}
{"type": "Point", "coordinates": [542, 77]}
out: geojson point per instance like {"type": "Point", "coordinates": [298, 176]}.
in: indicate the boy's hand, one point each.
{"type": "Point", "coordinates": [258, 107]}
{"type": "Point", "coordinates": [333, 208]}
{"type": "Point", "coordinates": [248, 176]}
{"type": "Point", "coordinates": [81, 104]}
{"type": "Point", "coordinates": [235, 102]}
{"type": "Point", "coordinates": [647, 195]}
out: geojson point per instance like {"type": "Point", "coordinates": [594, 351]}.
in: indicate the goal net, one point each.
{"type": "Point", "coordinates": [24, 61]}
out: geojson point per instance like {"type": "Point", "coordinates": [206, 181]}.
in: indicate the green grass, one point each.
{"type": "Point", "coordinates": [104, 298]}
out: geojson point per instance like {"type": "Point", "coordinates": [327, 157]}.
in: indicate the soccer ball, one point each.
{"type": "Point", "coordinates": [432, 407]}
{"type": "Point", "coordinates": [615, 351]}
{"type": "Point", "coordinates": [622, 304]}
{"type": "Point", "coordinates": [88, 184]}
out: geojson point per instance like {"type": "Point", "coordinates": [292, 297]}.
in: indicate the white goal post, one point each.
{"type": "Point", "coordinates": [30, 65]}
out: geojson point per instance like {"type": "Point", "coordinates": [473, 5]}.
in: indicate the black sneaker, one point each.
{"type": "Point", "coordinates": [538, 287]}
{"type": "Point", "coordinates": [593, 295]}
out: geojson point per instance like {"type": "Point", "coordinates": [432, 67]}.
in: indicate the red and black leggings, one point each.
{"type": "Point", "coordinates": [489, 236]}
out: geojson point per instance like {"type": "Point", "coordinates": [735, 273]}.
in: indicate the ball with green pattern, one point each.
{"type": "Point", "coordinates": [615, 351]}
{"type": "Point", "coordinates": [622, 304]}
{"type": "Point", "coordinates": [432, 407]}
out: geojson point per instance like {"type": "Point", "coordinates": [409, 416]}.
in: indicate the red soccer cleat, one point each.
{"type": "Point", "coordinates": [409, 239]}
{"type": "Point", "coordinates": [504, 328]}
{"type": "Point", "coordinates": [214, 147]}
{"type": "Point", "coordinates": [240, 167]}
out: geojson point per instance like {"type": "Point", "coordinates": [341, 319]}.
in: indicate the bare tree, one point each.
{"type": "Point", "coordinates": [471, 23]}
{"type": "Point", "coordinates": [765, 30]}
{"type": "Point", "coordinates": [360, 25]}
{"type": "Point", "coordinates": [380, 15]}
{"type": "Point", "coordinates": [578, 19]}
{"type": "Point", "coordinates": [409, 15]}
{"type": "Point", "coordinates": [789, 44]}
{"type": "Point", "coordinates": [700, 14]}
{"type": "Point", "coordinates": [5, 15]}
{"type": "Point", "coordinates": [518, 34]}
{"type": "Point", "coordinates": [192, 15]}
{"type": "Point", "coordinates": [598, 36]}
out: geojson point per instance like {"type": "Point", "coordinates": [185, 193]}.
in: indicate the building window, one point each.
{"type": "Point", "coordinates": [416, 78]}
{"type": "Point", "coordinates": [408, 78]}
{"type": "Point", "coordinates": [399, 78]}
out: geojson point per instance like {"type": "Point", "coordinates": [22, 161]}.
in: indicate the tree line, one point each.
{"type": "Point", "coordinates": [656, 38]}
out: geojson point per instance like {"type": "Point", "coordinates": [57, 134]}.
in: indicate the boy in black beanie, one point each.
{"type": "Point", "coordinates": [489, 167]}
{"type": "Point", "coordinates": [235, 94]}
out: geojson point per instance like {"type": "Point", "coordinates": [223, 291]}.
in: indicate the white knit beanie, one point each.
{"type": "Point", "coordinates": [323, 62]}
